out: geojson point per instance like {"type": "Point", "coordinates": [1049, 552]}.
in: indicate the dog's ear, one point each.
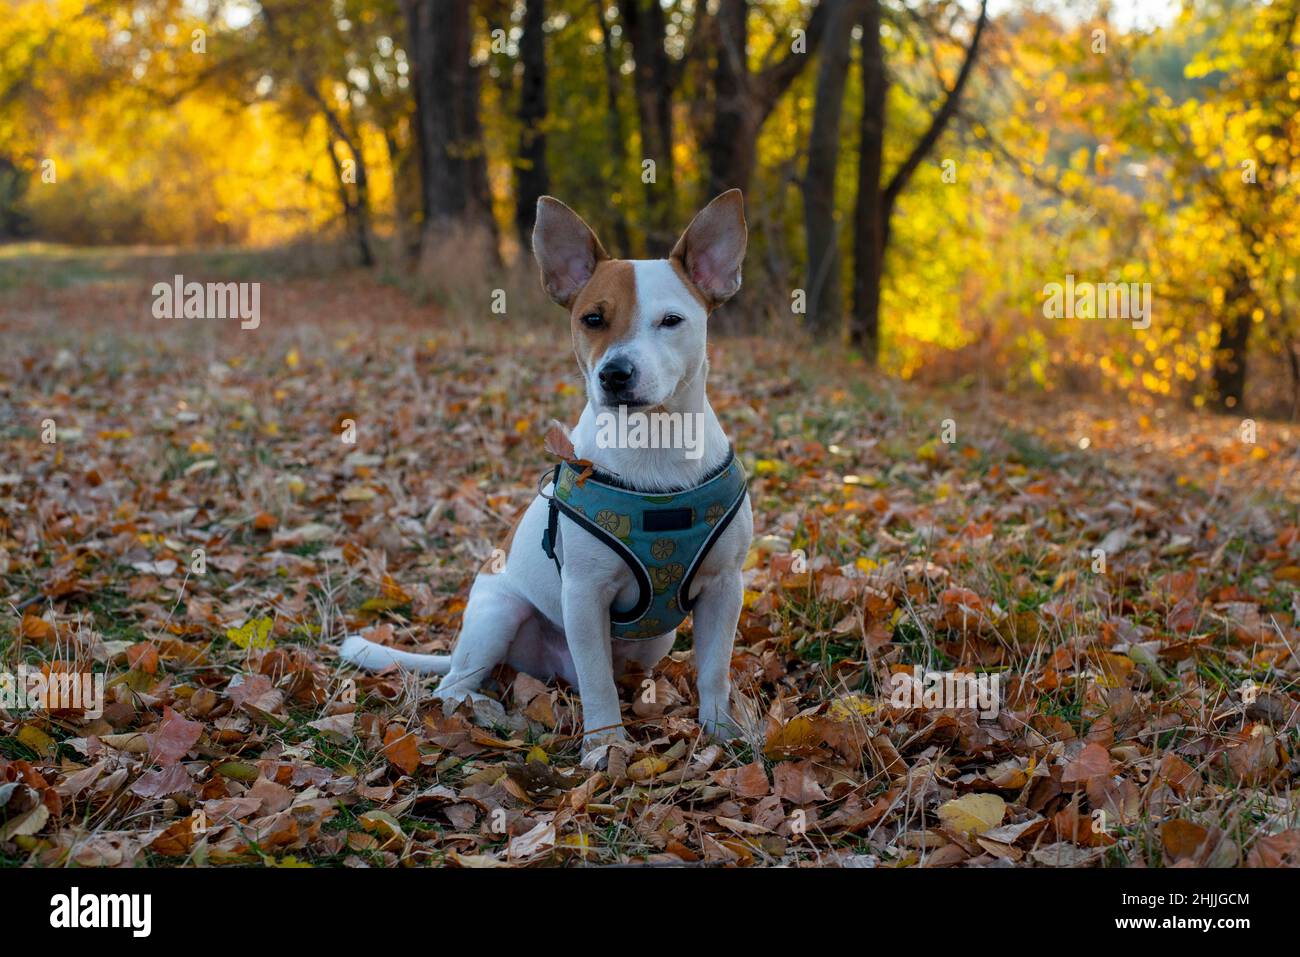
{"type": "Point", "coordinates": [713, 247]}
{"type": "Point", "coordinates": [565, 248]}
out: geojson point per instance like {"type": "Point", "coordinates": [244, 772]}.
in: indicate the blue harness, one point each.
{"type": "Point", "coordinates": [663, 537]}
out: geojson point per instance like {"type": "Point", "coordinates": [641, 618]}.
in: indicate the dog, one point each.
{"type": "Point", "coordinates": [573, 575]}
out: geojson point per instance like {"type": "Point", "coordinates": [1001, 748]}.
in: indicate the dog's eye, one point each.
{"type": "Point", "coordinates": [593, 320]}
{"type": "Point", "coordinates": [670, 320]}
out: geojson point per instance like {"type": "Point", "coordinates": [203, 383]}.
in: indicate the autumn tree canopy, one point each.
{"type": "Point", "coordinates": [917, 174]}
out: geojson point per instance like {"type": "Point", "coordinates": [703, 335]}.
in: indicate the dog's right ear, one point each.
{"type": "Point", "coordinates": [566, 249]}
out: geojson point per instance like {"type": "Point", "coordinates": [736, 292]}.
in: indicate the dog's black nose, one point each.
{"type": "Point", "coordinates": [616, 375]}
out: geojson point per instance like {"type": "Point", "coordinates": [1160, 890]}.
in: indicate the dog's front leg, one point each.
{"type": "Point", "coordinates": [586, 630]}
{"type": "Point", "coordinates": [717, 611]}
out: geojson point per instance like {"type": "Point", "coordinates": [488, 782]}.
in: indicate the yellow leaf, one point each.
{"type": "Point", "coordinates": [647, 768]}
{"type": "Point", "coordinates": [383, 604]}
{"type": "Point", "coordinates": [36, 739]}
{"type": "Point", "coordinates": [851, 706]}
{"type": "Point", "coordinates": [973, 813]}
{"type": "Point", "coordinates": [383, 823]}
{"type": "Point", "coordinates": [255, 633]}
{"type": "Point", "coordinates": [798, 734]}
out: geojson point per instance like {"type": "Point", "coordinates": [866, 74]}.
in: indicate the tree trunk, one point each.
{"type": "Point", "coordinates": [614, 121]}
{"type": "Point", "coordinates": [872, 232]}
{"type": "Point", "coordinates": [643, 22]}
{"type": "Point", "coordinates": [824, 297]}
{"type": "Point", "coordinates": [404, 162]}
{"type": "Point", "coordinates": [359, 210]}
{"type": "Point", "coordinates": [743, 100]}
{"type": "Point", "coordinates": [1228, 378]}
{"type": "Point", "coordinates": [453, 163]}
{"type": "Point", "coordinates": [868, 223]}
{"type": "Point", "coordinates": [12, 186]}
{"type": "Point", "coordinates": [356, 211]}
{"type": "Point", "coordinates": [1293, 357]}
{"type": "Point", "coordinates": [729, 145]}
{"type": "Point", "coordinates": [531, 177]}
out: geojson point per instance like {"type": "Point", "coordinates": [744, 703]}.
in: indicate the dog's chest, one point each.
{"type": "Point", "coordinates": [663, 539]}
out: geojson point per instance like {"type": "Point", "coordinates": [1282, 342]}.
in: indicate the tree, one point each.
{"type": "Point", "coordinates": [1236, 149]}
{"type": "Point", "coordinates": [613, 120]}
{"type": "Point", "coordinates": [354, 182]}
{"type": "Point", "coordinates": [531, 178]}
{"type": "Point", "coordinates": [743, 98]}
{"type": "Point", "coordinates": [820, 227]}
{"type": "Point", "coordinates": [453, 162]}
{"type": "Point", "coordinates": [868, 225]}
{"type": "Point", "coordinates": [1217, 232]}
{"type": "Point", "coordinates": [653, 79]}
{"type": "Point", "coordinates": [875, 205]}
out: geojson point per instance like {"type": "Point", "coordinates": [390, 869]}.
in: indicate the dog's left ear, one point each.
{"type": "Point", "coordinates": [713, 247]}
{"type": "Point", "coordinates": [566, 249]}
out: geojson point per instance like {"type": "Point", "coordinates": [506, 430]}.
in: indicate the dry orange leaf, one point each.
{"type": "Point", "coordinates": [36, 628]}
{"type": "Point", "coordinates": [143, 656]}
{"type": "Point", "coordinates": [749, 780]}
{"type": "Point", "coordinates": [1092, 761]}
{"type": "Point", "coordinates": [795, 736]}
{"type": "Point", "coordinates": [1182, 839]}
{"type": "Point", "coordinates": [401, 749]}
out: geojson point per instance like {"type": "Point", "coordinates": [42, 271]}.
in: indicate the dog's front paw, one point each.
{"type": "Point", "coordinates": [723, 727]}
{"type": "Point", "coordinates": [596, 748]}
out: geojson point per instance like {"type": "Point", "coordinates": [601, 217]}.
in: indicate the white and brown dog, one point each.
{"type": "Point", "coordinates": [639, 332]}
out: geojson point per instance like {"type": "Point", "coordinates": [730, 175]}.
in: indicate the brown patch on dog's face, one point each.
{"type": "Point", "coordinates": [610, 294]}
{"type": "Point", "coordinates": [680, 268]}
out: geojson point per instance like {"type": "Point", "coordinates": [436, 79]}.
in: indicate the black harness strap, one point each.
{"type": "Point", "coordinates": [684, 599]}
{"type": "Point", "coordinates": [552, 522]}
{"type": "Point", "coordinates": [645, 590]}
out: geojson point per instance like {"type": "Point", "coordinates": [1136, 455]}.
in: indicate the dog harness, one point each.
{"type": "Point", "coordinates": [662, 537]}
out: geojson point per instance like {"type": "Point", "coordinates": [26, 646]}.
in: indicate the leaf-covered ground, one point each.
{"type": "Point", "coordinates": [232, 735]}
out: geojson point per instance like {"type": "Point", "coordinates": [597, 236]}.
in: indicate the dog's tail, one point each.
{"type": "Point", "coordinates": [373, 657]}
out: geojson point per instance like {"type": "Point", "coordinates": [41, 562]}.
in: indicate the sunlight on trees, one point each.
{"type": "Point", "coordinates": [1079, 146]}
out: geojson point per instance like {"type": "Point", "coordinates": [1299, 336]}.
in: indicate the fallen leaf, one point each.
{"type": "Point", "coordinates": [973, 813]}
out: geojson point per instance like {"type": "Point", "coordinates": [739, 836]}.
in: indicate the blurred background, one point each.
{"type": "Point", "coordinates": [918, 174]}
